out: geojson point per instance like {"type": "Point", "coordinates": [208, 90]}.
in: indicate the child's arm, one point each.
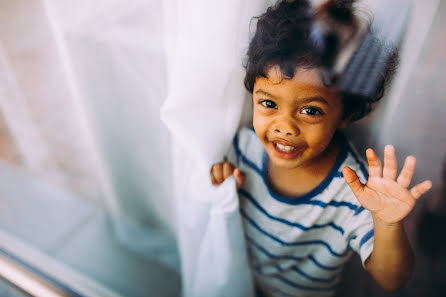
{"type": "Point", "coordinates": [221, 171]}
{"type": "Point", "coordinates": [390, 201]}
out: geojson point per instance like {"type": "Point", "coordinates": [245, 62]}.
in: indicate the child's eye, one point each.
{"type": "Point", "coordinates": [312, 111]}
{"type": "Point", "coordinates": [268, 104]}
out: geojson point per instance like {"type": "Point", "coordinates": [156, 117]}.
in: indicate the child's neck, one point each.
{"type": "Point", "coordinates": [301, 180]}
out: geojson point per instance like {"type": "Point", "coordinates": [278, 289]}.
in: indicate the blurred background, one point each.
{"type": "Point", "coordinates": [411, 118]}
{"type": "Point", "coordinates": [86, 195]}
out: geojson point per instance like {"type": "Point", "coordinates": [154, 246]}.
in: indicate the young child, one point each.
{"type": "Point", "coordinates": [306, 199]}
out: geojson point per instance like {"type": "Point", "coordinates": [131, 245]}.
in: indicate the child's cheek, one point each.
{"type": "Point", "coordinates": [260, 126]}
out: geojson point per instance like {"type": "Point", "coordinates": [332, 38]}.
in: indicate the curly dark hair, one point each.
{"type": "Point", "coordinates": [286, 37]}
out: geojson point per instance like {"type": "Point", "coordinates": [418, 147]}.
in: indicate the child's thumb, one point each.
{"type": "Point", "coordinates": [239, 177]}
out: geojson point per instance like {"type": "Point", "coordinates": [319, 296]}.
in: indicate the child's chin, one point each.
{"type": "Point", "coordinates": [285, 163]}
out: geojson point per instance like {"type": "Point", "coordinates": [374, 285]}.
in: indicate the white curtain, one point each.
{"type": "Point", "coordinates": [128, 104]}
{"type": "Point", "coordinates": [203, 110]}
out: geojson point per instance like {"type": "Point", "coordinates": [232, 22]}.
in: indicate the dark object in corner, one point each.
{"type": "Point", "coordinates": [432, 228]}
{"type": "Point", "coordinates": [431, 234]}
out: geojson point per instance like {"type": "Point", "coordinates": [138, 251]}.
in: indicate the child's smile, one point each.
{"type": "Point", "coordinates": [295, 119]}
{"type": "Point", "coordinates": [287, 150]}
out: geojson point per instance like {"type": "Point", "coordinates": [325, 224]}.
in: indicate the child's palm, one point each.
{"type": "Point", "coordinates": [386, 196]}
{"type": "Point", "coordinates": [378, 197]}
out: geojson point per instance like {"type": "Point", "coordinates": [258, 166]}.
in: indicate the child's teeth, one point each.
{"type": "Point", "coordinates": [284, 148]}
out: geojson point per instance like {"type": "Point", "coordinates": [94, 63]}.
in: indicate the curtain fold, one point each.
{"type": "Point", "coordinates": [203, 110]}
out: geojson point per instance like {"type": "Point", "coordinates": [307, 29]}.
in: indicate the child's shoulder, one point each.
{"type": "Point", "coordinates": [245, 135]}
{"type": "Point", "coordinates": [248, 147]}
{"type": "Point", "coordinates": [355, 161]}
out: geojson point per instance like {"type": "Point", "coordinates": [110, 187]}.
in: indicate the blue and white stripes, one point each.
{"type": "Point", "coordinates": [299, 245]}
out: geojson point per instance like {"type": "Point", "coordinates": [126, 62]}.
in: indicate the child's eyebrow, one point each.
{"type": "Point", "coordinates": [260, 91]}
{"type": "Point", "coordinates": [312, 99]}
{"type": "Point", "coordinates": [300, 100]}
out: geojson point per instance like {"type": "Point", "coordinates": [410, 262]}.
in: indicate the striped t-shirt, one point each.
{"type": "Point", "coordinates": [298, 246]}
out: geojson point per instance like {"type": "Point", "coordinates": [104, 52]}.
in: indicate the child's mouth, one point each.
{"type": "Point", "coordinates": [287, 151]}
{"type": "Point", "coordinates": [285, 148]}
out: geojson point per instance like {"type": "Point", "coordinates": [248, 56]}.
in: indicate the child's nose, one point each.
{"type": "Point", "coordinates": [286, 129]}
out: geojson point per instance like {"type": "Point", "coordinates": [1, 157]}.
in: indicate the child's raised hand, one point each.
{"type": "Point", "coordinates": [221, 171]}
{"type": "Point", "coordinates": [384, 195]}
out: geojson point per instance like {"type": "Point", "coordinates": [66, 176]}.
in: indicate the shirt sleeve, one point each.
{"type": "Point", "coordinates": [360, 224]}
{"type": "Point", "coordinates": [361, 234]}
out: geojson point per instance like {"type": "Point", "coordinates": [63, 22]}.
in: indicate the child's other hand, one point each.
{"type": "Point", "coordinates": [384, 195]}
{"type": "Point", "coordinates": [223, 170]}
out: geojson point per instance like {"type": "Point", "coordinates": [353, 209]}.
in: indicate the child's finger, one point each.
{"type": "Point", "coordinates": [217, 172]}
{"type": "Point", "coordinates": [353, 181]}
{"type": "Point", "coordinates": [239, 177]}
{"type": "Point", "coordinates": [390, 163]}
{"type": "Point", "coordinates": [228, 168]}
{"type": "Point", "coordinates": [375, 168]}
{"type": "Point", "coordinates": [213, 180]}
{"type": "Point", "coordinates": [421, 188]}
{"type": "Point", "coordinates": [406, 173]}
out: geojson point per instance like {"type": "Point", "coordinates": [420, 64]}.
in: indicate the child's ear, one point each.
{"type": "Point", "coordinates": [345, 121]}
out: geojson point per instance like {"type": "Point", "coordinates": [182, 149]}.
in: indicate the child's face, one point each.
{"type": "Point", "coordinates": [295, 119]}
